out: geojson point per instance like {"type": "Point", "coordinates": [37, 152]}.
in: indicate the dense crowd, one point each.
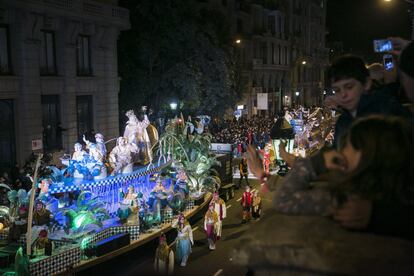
{"type": "Point", "coordinates": [242, 132]}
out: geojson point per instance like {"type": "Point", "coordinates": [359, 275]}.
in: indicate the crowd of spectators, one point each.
{"type": "Point", "coordinates": [242, 132]}
{"type": "Point", "coordinates": [373, 149]}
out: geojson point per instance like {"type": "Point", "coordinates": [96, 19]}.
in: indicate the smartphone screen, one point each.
{"type": "Point", "coordinates": [382, 45]}
{"type": "Point", "coordinates": [388, 62]}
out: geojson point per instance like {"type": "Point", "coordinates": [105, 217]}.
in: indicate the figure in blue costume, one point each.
{"type": "Point", "coordinates": [184, 240]}
{"type": "Point", "coordinates": [158, 200]}
{"type": "Point", "coordinates": [181, 186]}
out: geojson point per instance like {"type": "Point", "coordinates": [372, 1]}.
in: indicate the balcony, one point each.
{"type": "Point", "coordinates": [257, 62]}
{"type": "Point", "coordinates": [77, 8]}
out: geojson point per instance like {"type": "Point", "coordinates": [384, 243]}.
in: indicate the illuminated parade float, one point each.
{"type": "Point", "coordinates": [101, 204]}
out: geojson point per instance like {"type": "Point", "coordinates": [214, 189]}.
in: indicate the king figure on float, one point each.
{"type": "Point", "coordinates": [120, 157]}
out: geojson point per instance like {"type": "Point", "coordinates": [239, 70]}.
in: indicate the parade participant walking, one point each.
{"type": "Point", "coordinates": [184, 239]}
{"type": "Point", "coordinates": [244, 172]}
{"type": "Point", "coordinates": [246, 203]}
{"type": "Point", "coordinates": [266, 158]}
{"type": "Point", "coordinates": [256, 205]}
{"type": "Point", "coordinates": [164, 258]}
{"type": "Point", "coordinates": [221, 210]}
{"type": "Point", "coordinates": [210, 226]}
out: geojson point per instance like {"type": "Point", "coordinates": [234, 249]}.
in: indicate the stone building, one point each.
{"type": "Point", "coordinates": [282, 50]}
{"type": "Point", "coordinates": [58, 73]}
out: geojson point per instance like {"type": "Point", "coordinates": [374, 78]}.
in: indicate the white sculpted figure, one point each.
{"type": "Point", "coordinates": [79, 153]}
{"type": "Point", "coordinates": [136, 132]}
{"type": "Point", "coordinates": [100, 144]}
{"type": "Point", "coordinates": [120, 157]}
{"type": "Point", "coordinates": [96, 161]}
{"type": "Point", "coordinates": [78, 156]}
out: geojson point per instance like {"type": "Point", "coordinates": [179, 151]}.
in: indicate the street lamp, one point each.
{"type": "Point", "coordinates": [238, 41]}
{"type": "Point", "coordinates": [408, 1]}
{"type": "Point", "coordinates": [297, 93]}
{"type": "Point", "coordinates": [304, 62]}
{"type": "Point", "coordinates": [411, 12]}
{"type": "Point", "coordinates": [173, 105]}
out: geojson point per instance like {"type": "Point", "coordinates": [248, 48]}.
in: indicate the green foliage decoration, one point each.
{"type": "Point", "coordinates": [190, 152]}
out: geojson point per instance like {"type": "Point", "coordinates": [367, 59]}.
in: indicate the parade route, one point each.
{"type": "Point", "coordinates": [217, 262]}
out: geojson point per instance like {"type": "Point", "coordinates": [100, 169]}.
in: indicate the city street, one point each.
{"type": "Point", "coordinates": [202, 261]}
{"type": "Point", "coordinates": [125, 124]}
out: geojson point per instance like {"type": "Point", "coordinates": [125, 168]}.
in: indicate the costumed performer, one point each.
{"type": "Point", "coordinates": [184, 239]}
{"type": "Point", "coordinates": [246, 203]}
{"type": "Point", "coordinates": [164, 258]}
{"type": "Point", "coordinates": [221, 210]}
{"type": "Point", "coordinates": [210, 226]}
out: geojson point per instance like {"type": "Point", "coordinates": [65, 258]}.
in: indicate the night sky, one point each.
{"type": "Point", "coordinates": [358, 22]}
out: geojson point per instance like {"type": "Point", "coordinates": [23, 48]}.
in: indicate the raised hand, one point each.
{"type": "Point", "coordinates": [398, 44]}
{"type": "Point", "coordinates": [253, 162]}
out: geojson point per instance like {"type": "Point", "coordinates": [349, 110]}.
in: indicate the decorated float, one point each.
{"type": "Point", "coordinates": [99, 204]}
{"type": "Point", "coordinates": [302, 133]}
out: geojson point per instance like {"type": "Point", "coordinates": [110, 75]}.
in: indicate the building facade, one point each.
{"type": "Point", "coordinates": [282, 50]}
{"type": "Point", "coordinates": [58, 73]}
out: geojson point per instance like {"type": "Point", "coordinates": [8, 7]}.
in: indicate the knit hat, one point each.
{"type": "Point", "coordinates": [163, 238]}
{"type": "Point", "coordinates": [406, 60]}
{"type": "Point", "coordinates": [43, 233]}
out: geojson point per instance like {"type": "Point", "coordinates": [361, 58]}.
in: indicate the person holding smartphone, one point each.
{"type": "Point", "coordinates": [368, 171]}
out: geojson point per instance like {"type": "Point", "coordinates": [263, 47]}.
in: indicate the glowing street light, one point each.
{"type": "Point", "coordinates": [304, 62]}
{"type": "Point", "coordinates": [297, 93]}
{"type": "Point", "coordinates": [238, 41]}
{"type": "Point", "coordinates": [173, 106]}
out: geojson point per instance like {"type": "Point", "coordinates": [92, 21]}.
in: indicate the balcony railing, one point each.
{"type": "Point", "coordinates": [115, 14]}
{"type": "Point", "coordinates": [257, 61]}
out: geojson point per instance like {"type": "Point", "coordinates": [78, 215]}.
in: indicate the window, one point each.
{"type": "Point", "coordinates": [5, 67]}
{"type": "Point", "coordinates": [52, 129]}
{"type": "Point", "coordinates": [7, 134]}
{"type": "Point", "coordinates": [271, 24]}
{"type": "Point", "coordinates": [84, 56]}
{"type": "Point", "coordinates": [286, 56]}
{"type": "Point", "coordinates": [239, 26]}
{"type": "Point", "coordinates": [273, 53]}
{"type": "Point", "coordinates": [263, 52]}
{"type": "Point", "coordinates": [279, 54]}
{"type": "Point", "coordinates": [84, 116]}
{"type": "Point", "coordinates": [279, 27]}
{"type": "Point", "coordinates": [48, 54]}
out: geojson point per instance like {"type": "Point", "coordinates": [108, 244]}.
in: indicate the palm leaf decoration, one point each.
{"type": "Point", "coordinates": [86, 211]}
{"type": "Point", "coordinates": [192, 153]}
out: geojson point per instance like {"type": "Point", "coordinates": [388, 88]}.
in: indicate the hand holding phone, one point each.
{"type": "Point", "coordinates": [388, 62]}
{"type": "Point", "coordinates": [382, 45]}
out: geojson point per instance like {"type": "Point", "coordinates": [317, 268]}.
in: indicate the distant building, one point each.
{"type": "Point", "coordinates": [58, 73]}
{"type": "Point", "coordinates": [282, 50]}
